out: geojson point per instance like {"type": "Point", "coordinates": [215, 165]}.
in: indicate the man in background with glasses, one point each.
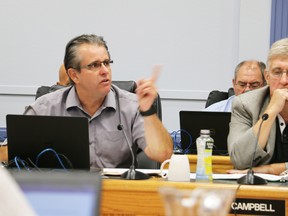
{"type": "Point", "coordinates": [271, 154]}
{"type": "Point", "coordinates": [248, 75]}
{"type": "Point", "coordinates": [109, 109]}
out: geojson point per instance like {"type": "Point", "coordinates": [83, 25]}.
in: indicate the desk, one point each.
{"type": "Point", "coordinates": [4, 153]}
{"type": "Point", "coordinates": [141, 197]}
{"type": "Point", "coordinates": [219, 163]}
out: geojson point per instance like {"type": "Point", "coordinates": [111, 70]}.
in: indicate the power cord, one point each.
{"type": "Point", "coordinates": [238, 188]}
{"type": "Point", "coordinates": [54, 152]}
{"type": "Point", "coordinates": [33, 164]}
{"type": "Point", "coordinates": [20, 163]}
{"type": "Point", "coordinates": [18, 160]}
{"type": "Point", "coordinates": [67, 160]}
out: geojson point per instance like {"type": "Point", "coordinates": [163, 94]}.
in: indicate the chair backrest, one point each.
{"type": "Point", "coordinates": [131, 87]}
{"type": "Point", "coordinates": [143, 161]}
{"type": "Point", "coordinates": [42, 90]}
{"type": "Point", "coordinates": [216, 96]}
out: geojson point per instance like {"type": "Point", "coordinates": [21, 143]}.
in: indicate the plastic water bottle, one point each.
{"type": "Point", "coordinates": [204, 145]}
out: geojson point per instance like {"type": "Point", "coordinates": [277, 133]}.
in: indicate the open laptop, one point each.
{"type": "Point", "coordinates": [61, 193]}
{"type": "Point", "coordinates": [55, 142]}
{"type": "Point", "coordinates": [217, 122]}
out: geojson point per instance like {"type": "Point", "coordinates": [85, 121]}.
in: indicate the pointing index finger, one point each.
{"type": "Point", "coordinates": [156, 72]}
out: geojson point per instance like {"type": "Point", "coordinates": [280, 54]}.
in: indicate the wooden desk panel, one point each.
{"type": "Point", "coordinates": [219, 163]}
{"type": "Point", "coordinates": [4, 153]}
{"type": "Point", "coordinates": [141, 197]}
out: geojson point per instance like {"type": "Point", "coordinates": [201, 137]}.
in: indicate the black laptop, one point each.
{"type": "Point", "coordinates": [55, 142]}
{"type": "Point", "coordinates": [191, 122]}
{"type": "Point", "coordinates": [61, 193]}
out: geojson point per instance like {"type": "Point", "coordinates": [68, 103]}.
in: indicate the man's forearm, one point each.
{"type": "Point", "coordinates": [159, 142]}
{"type": "Point", "coordinates": [274, 169]}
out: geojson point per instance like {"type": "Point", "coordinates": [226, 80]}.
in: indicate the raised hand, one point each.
{"type": "Point", "coordinates": [147, 90]}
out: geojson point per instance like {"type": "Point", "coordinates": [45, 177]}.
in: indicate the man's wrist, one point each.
{"type": "Point", "coordinates": [149, 112]}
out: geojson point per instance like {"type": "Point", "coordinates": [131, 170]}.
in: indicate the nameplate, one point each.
{"type": "Point", "coordinates": [258, 207]}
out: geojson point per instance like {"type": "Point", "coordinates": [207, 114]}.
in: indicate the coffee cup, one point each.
{"type": "Point", "coordinates": [179, 168]}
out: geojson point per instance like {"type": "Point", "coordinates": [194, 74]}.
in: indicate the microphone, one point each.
{"type": "Point", "coordinates": [131, 174]}
{"type": "Point", "coordinates": [250, 178]}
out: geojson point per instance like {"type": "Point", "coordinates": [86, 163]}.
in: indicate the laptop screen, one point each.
{"type": "Point", "coordinates": [191, 122]}
{"type": "Point", "coordinates": [61, 193]}
{"type": "Point", "coordinates": [48, 142]}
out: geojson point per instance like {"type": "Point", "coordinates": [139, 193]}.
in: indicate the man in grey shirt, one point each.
{"type": "Point", "coordinates": [108, 108]}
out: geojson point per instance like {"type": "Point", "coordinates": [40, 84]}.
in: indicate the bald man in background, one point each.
{"type": "Point", "coordinates": [248, 75]}
{"type": "Point", "coordinates": [63, 77]}
{"type": "Point", "coordinates": [61, 83]}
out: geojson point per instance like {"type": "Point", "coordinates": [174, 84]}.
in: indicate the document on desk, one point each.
{"type": "Point", "coordinates": [119, 171]}
{"type": "Point", "coordinates": [268, 177]}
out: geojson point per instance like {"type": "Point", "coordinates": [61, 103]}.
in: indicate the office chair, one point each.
{"type": "Point", "coordinates": [216, 96]}
{"type": "Point", "coordinates": [131, 87]}
{"type": "Point", "coordinates": [143, 161]}
{"type": "Point", "coordinates": [42, 90]}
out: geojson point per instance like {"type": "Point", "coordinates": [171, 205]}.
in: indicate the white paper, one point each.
{"type": "Point", "coordinates": [119, 171]}
{"type": "Point", "coordinates": [268, 177]}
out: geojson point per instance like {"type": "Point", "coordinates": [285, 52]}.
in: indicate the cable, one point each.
{"type": "Point", "coordinates": [16, 162]}
{"type": "Point", "coordinates": [67, 160]}
{"type": "Point", "coordinates": [176, 145]}
{"type": "Point", "coordinates": [18, 159]}
{"type": "Point", "coordinates": [55, 153]}
{"type": "Point", "coordinates": [62, 155]}
{"type": "Point", "coordinates": [234, 210]}
{"type": "Point", "coordinates": [33, 164]}
{"type": "Point", "coordinates": [177, 142]}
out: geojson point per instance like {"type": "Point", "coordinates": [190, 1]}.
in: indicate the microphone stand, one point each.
{"type": "Point", "coordinates": [250, 178]}
{"type": "Point", "coordinates": [132, 173]}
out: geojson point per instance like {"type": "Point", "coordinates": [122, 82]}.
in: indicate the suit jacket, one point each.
{"type": "Point", "coordinates": [247, 109]}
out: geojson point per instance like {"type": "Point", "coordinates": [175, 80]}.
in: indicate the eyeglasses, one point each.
{"type": "Point", "coordinates": [277, 74]}
{"type": "Point", "coordinates": [252, 85]}
{"type": "Point", "coordinates": [95, 66]}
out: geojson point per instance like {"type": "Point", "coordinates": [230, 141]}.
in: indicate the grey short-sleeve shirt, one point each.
{"type": "Point", "coordinates": [108, 147]}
